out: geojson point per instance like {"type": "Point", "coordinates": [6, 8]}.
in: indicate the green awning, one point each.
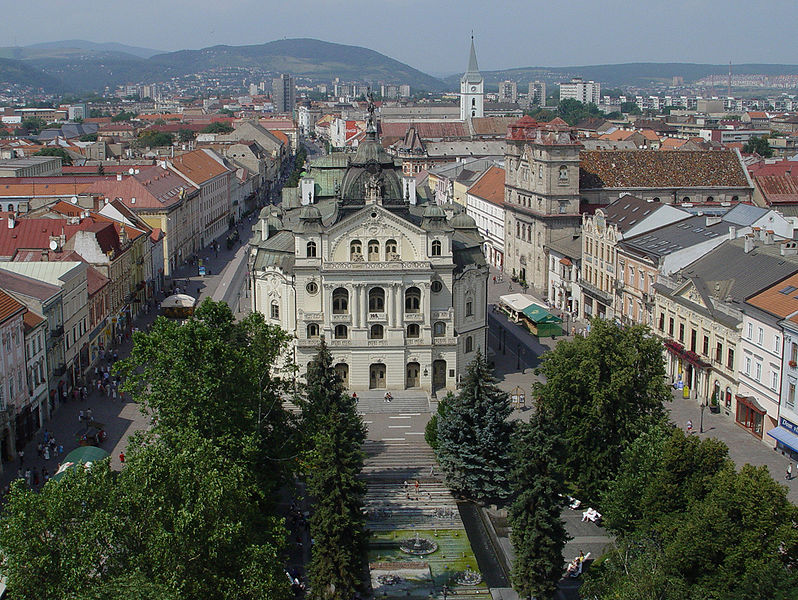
{"type": "Point", "coordinates": [538, 314]}
{"type": "Point", "coordinates": [80, 456]}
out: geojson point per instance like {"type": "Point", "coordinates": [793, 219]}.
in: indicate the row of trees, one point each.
{"type": "Point", "coordinates": [687, 524]}
{"type": "Point", "coordinates": [192, 513]}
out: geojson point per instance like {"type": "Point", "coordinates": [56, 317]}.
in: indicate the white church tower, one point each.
{"type": "Point", "coordinates": [472, 89]}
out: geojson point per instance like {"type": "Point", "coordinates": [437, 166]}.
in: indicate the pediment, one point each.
{"type": "Point", "coordinates": [376, 222]}
{"type": "Point", "coordinates": [691, 293]}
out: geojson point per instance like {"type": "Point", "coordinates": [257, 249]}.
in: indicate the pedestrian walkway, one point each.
{"type": "Point", "coordinates": [120, 418]}
{"type": "Point", "coordinates": [743, 446]}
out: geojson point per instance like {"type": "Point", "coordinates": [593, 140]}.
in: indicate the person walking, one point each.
{"type": "Point", "coordinates": [80, 417]}
{"type": "Point", "coordinates": [689, 427]}
{"type": "Point", "coordinates": [122, 457]}
{"type": "Point", "coordinates": [788, 475]}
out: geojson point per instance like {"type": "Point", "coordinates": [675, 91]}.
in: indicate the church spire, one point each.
{"type": "Point", "coordinates": [473, 67]}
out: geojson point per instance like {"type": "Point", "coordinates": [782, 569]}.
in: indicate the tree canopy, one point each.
{"type": "Point", "coordinates": [191, 514]}
{"type": "Point", "coordinates": [218, 127]}
{"type": "Point", "coordinates": [66, 159]}
{"type": "Point", "coordinates": [758, 145]}
{"type": "Point", "coordinates": [474, 436]}
{"type": "Point", "coordinates": [154, 139]}
{"type": "Point", "coordinates": [603, 390]}
{"type": "Point", "coordinates": [691, 526]}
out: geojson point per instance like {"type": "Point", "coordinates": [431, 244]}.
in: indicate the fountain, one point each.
{"type": "Point", "coordinates": [468, 577]}
{"type": "Point", "coordinates": [419, 546]}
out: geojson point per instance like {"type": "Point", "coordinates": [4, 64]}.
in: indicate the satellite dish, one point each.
{"type": "Point", "coordinates": [53, 245]}
{"type": "Point", "coordinates": [74, 200]}
{"type": "Point", "coordinates": [130, 171]}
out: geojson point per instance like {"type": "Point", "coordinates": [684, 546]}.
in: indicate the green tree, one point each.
{"type": "Point", "coordinates": [431, 429]}
{"type": "Point", "coordinates": [33, 125]}
{"type": "Point", "coordinates": [154, 139]}
{"type": "Point", "coordinates": [66, 159]}
{"type": "Point", "coordinates": [474, 436]}
{"type": "Point", "coordinates": [538, 532]}
{"type": "Point", "coordinates": [758, 145]}
{"type": "Point", "coordinates": [185, 135]}
{"type": "Point", "coordinates": [218, 127]}
{"type": "Point", "coordinates": [603, 390]}
{"type": "Point", "coordinates": [123, 116]}
{"type": "Point", "coordinates": [334, 460]}
{"type": "Point", "coordinates": [222, 379]}
{"type": "Point", "coordinates": [630, 108]}
{"type": "Point", "coordinates": [89, 137]}
{"type": "Point", "coordinates": [572, 111]}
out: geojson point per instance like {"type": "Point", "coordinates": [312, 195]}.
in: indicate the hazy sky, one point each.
{"type": "Point", "coordinates": [433, 35]}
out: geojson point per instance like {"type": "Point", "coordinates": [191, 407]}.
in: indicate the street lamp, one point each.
{"type": "Point", "coordinates": [701, 421]}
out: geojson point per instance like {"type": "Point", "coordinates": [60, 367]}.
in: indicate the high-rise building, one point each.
{"type": "Point", "coordinates": [283, 93]}
{"type": "Point", "coordinates": [472, 89]}
{"type": "Point", "coordinates": [537, 93]}
{"type": "Point", "coordinates": [508, 91]}
{"type": "Point", "coordinates": [584, 91]}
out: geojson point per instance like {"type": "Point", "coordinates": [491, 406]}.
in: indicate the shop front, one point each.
{"type": "Point", "coordinates": [688, 371]}
{"type": "Point", "coordinates": [750, 415]}
{"type": "Point", "coordinates": [786, 436]}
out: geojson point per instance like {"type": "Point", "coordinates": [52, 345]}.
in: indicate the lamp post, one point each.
{"type": "Point", "coordinates": [701, 421]}
{"type": "Point", "coordinates": [445, 591]}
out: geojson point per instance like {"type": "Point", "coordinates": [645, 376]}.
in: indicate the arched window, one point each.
{"type": "Point", "coordinates": [275, 310]}
{"type": "Point", "coordinates": [436, 248]}
{"type": "Point", "coordinates": [391, 250]}
{"type": "Point", "coordinates": [413, 300]}
{"type": "Point", "coordinates": [377, 332]}
{"type": "Point", "coordinates": [563, 173]}
{"type": "Point", "coordinates": [341, 332]}
{"type": "Point", "coordinates": [686, 199]}
{"type": "Point", "coordinates": [355, 250]}
{"type": "Point", "coordinates": [473, 101]}
{"type": "Point", "coordinates": [469, 345]}
{"type": "Point", "coordinates": [313, 330]}
{"type": "Point", "coordinates": [413, 330]}
{"type": "Point", "coordinates": [311, 249]}
{"type": "Point", "coordinates": [656, 199]}
{"type": "Point", "coordinates": [439, 329]}
{"type": "Point", "coordinates": [735, 198]}
{"type": "Point", "coordinates": [710, 199]}
{"type": "Point", "coordinates": [340, 299]}
{"type": "Point", "coordinates": [374, 250]}
{"type": "Point", "coordinates": [376, 300]}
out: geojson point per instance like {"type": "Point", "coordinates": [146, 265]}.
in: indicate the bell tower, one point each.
{"type": "Point", "coordinates": [472, 92]}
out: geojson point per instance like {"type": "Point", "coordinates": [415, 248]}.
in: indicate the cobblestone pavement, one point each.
{"type": "Point", "coordinates": [121, 417]}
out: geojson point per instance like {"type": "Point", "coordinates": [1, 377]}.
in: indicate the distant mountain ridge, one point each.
{"type": "Point", "coordinates": [106, 65]}
{"type": "Point", "coordinates": [99, 46]}
{"type": "Point", "coordinates": [21, 73]}
{"type": "Point", "coordinates": [641, 73]}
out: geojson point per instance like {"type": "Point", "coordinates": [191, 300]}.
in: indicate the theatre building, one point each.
{"type": "Point", "coordinates": [397, 289]}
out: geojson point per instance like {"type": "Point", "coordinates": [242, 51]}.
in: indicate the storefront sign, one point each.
{"type": "Point", "coordinates": [787, 425]}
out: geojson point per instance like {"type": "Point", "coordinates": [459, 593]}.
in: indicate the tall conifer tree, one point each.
{"type": "Point", "coordinates": [474, 437]}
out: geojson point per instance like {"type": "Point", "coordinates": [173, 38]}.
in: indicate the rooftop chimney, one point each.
{"type": "Point", "coordinates": [789, 249]}
{"type": "Point", "coordinates": [713, 220]}
{"type": "Point", "coordinates": [767, 236]}
{"type": "Point", "coordinates": [11, 221]}
{"type": "Point", "coordinates": [732, 232]}
{"type": "Point", "coordinates": [119, 176]}
{"type": "Point", "coordinates": [748, 243]}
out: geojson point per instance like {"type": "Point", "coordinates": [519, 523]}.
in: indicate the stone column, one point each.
{"type": "Point", "coordinates": [390, 302]}
{"type": "Point", "coordinates": [397, 318]}
{"type": "Point", "coordinates": [425, 292]}
{"type": "Point", "coordinates": [364, 305]}
{"type": "Point", "coordinates": [353, 302]}
{"type": "Point", "coordinates": [326, 306]}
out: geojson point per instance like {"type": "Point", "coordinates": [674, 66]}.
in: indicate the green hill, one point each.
{"type": "Point", "coordinates": [313, 59]}
{"type": "Point", "coordinates": [21, 73]}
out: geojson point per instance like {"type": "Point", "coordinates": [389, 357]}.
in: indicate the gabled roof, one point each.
{"type": "Point", "coordinates": [490, 186]}
{"type": "Point", "coordinates": [198, 166]}
{"type": "Point", "coordinates": [675, 237]}
{"type": "Point", "coordinates": [778, 189]}
{"type": "Point", "coordinates": [9, 307]}
{"type": "Point", "coordinates": [26, 286]}
{"type": "Point", "coordinates": [660, 169]}
{"type": "Point", "coordinates": [50, 272]}
{"type": "Point", "coordinates": [627, 211]}
{"type": "Point", "coordinates": [31, 320]}
{"type": "Point", "coordinates": [780, 300]}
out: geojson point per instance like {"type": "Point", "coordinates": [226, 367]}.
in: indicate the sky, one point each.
{"type": "Point", "coordinates": [433, 35]}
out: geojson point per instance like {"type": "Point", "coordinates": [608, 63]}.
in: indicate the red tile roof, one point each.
{"type": "Point", "coordinates": [490, 186]}
{"type": "Point", "coordinates": [9, 307]}
{"type": "Point", "coordinates": [778, 189]}
{"type": "Point", "coordinates": [427, 131]}
{"type": "Point", "coordinates": [660, 169]}
{"type": "Point", "coordinates": [782, 167]}
{"type": "Point", "coordinates": [152, 187]}
{"type": "Point", "coordinates": [31, 320]}
{"type": "Point", "coordinates": [198, 166]}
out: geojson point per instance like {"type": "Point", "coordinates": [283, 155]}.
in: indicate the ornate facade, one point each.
{"type": "Point", "coordinates": [398, 290]}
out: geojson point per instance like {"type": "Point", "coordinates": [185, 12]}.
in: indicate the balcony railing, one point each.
{"type": "Point", "coordinates": [444, 341]}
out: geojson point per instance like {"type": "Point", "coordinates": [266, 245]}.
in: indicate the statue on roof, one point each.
{"type": "Point", "coordinates": [370, 123]}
